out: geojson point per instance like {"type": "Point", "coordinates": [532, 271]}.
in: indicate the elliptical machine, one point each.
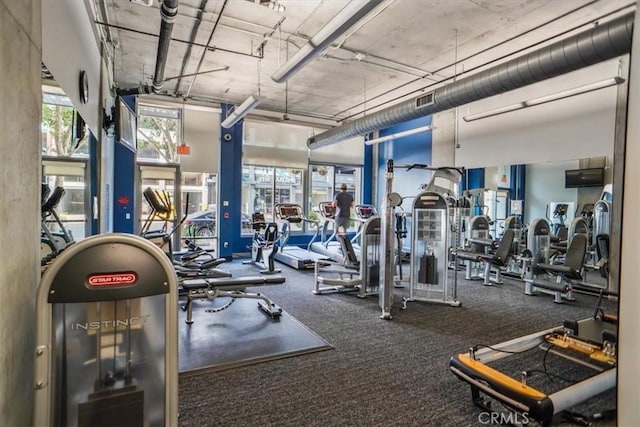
{"type": "Point", "coordinates": [264, 244]}
{"type": "Point", "coordinates": [559, 228]}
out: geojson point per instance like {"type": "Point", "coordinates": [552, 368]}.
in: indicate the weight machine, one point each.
{"type": "Point", "coordinates": [429, 278]}
{"type": "Point", "coordinates": [433, 210]}
{"type": "Point", "coordinates": [477, 244]}
{"type": "Point", "coordinates": [361, 275]}
{"type": "Point", "coordinates": [106, 336]}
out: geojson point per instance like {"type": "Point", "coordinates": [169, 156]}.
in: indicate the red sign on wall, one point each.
{"type": "Point", "coordinates": [123, 200]}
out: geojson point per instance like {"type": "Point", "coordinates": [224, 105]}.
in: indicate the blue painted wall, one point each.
{"type": "Point", "coordinates": [124, 194]}
{"type": "Point", "coordinates": [230, 188]}
{"type": "Point", "coordinates": [124, 182]}
{"type": "Point", "coordinates": [474, 178]}
{"type": "Point", "coordinates": [407, 150]}
{"type": "Point", "coordinates": [517, 184]}
{"type": "Point", "coordinates": [93, 182]}
{"type": "Point", "coordinates": [367, 175]}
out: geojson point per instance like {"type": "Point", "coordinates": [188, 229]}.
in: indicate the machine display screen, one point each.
{"type": "Point", "coordinates": [329, 211]}
{"type": "Point", "coordinates": [366, 212]}
{"type": "Point", "coordinates": [289, 211]}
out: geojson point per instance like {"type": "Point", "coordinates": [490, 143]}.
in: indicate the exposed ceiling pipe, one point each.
{"type": "Point", "coordinates": [603, 42]}
{"type": "Point", "coordinates": [204, 51]}
{"type": "Point", "coordinates": [168, 12]}
{"type": "Point", "coordinates": [192, 38]}
{"type": "Point", "coordinates": [350, 15]}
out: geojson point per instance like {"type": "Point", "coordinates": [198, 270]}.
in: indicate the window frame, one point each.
{"type": "Point", "coordinates": [357, 190]}
{"type": "Point", "coordinates": [274, 190]}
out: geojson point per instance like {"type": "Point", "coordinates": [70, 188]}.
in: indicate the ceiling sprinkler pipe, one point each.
{"type": "Point", "coordinates": [168, 12]}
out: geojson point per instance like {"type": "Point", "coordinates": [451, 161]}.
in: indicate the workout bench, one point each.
{"type": "Point", "coordinates": [566, 274]}
{"type": "Point", "coordinates": [232, 288]}
{"type": "Point", "coordinates": [497, 260]}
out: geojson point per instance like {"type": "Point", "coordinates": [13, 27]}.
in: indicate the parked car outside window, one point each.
{"type": "Point", "coordinates": [203, 224]}
{"type": "Point", "coordinates": [200, 224]}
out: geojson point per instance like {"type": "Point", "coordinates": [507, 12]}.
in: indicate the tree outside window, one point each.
{"type": "Point", "coordinates": [159, 134]}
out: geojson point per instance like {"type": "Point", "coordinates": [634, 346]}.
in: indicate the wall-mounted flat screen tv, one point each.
{"type": "Point", "coordinates": [592, 177]}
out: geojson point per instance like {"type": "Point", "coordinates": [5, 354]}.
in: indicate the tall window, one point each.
{"type": "Point", "coordinates": [263, 187]}
{"type": "Point", "coordinates": [159, 134]}
{"type": "Point", "coordinates": [201, 220]}
{"type": "Point", "coordinates": [201, 188]}
{"type": "Point", "coordinates": [65, 150]}
{"type": "Point", "coordinates": [58, 128]}
{"type": "Point", "coordinates": [326, 182]}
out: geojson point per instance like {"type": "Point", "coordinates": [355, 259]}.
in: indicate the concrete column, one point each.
{"type": "Point", "coordinates": [20, 104]}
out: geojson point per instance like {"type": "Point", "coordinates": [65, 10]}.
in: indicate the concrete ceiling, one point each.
{"type": "Point", "coordinates": [402, 48]}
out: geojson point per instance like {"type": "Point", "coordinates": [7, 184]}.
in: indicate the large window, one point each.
{"type": "Point", "coordinates": [159, 134]}
{"type": "Point", "coordinates": [59, 128]}
{"type": "Point", "coordinates": [70, 175]}
{"type": "Point", "coordinates": [326, 182]}
{"type": "Point", "coordinates": [64, 151]}
{"type": "Point", "coordinates": [261, 183]}
{"type": "Point", "coordinates": [201, 222]}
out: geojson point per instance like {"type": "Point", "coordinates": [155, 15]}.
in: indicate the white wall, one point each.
{"type": "Point", "coordinates": [577, 127]}
{"type": "Point", "coordinates": [545, 184]}
{"type": "Point", "coordinates": [202, 134]}
{"type": "Point", "coordinates": [68, 46]}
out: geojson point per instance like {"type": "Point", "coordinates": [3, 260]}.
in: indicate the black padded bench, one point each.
{"type": "Point", "coordinates": [478, 248]}
{"type": "Point", "coordinates": [566, 274]}
{"type": "Point", "coordinates": [498, 260]}
{"type": "Point", "coordinates": [232, 288]}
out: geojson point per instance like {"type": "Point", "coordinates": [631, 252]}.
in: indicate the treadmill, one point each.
{"type": "Point", "coordinates": [293, 256]}
{"type": "Point", "coordinates": [363, 213]}
{"type": "Point", "coordinates": [328, 247]}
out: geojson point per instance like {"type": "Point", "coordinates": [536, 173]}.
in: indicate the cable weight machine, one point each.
{"type": "Point", "coordinates": [435, 192]}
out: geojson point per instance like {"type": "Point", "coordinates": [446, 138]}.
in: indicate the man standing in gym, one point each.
{"type": "Point", "coordinates": [343, 203]}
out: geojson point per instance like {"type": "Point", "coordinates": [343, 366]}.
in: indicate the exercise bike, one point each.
{"type": "Point", "coordinates": [264, 244]}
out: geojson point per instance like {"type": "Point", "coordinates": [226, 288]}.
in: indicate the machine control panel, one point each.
{"type": "Point", "coordinates": [365, 211]}
{"type": "Point", "coordinates": [327, 210]}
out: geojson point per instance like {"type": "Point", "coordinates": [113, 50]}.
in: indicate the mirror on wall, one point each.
{"type": "Point", "coordinates": [558, 191]}
{"type": "Point", "coordinates": [576, 184]}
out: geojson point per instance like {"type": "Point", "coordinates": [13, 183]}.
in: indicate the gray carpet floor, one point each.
{"type": "Point", "coordinates": [380, 373]}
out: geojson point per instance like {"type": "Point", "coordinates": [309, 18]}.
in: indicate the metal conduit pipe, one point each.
{"type": "Point", "coordinates": [603, 42]}
{"type": "Point", "coordinates": [168, 12]}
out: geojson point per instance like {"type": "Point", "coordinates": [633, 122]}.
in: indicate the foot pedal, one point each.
{"type": "Point", "coordinates": [272, 310]}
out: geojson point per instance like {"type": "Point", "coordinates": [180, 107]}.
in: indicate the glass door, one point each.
{"type": "Point", "coordinates": [200, 225]}
{"type": "Point", "coordinates": [74, 208]}
{"type": "Point", "coordinates": [164, 180]}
